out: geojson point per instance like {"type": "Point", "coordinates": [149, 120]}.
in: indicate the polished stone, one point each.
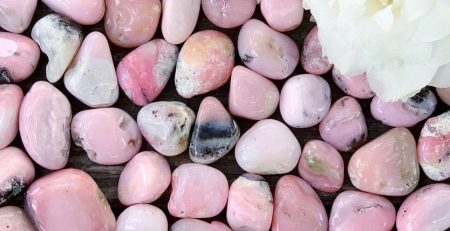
{"type": "Point", "coordinates": [189, 224]}
{"type": "Point", "coordinates": [282, 15]}
{"type": "Point", "coordinates": [15, 16]}
{"type": "Point", "coordinates": [444, 94]}
{"type": "Point", "coordinates": [13, 218]}
{"type": "Point", "coordinates": [11, 97]}
{"type": "Point", "coordinates": [85, 12]}
{"type": "Point", "coordinates": [312, 59]}
{"type": "Point", "coordinates": [356, 86]}
{"type": "Point", "coordinates": [142, 217]}
{"type": "Point", "coordinates": [230, 13]}
{"type": "Point", "coordinates": [179, 19]}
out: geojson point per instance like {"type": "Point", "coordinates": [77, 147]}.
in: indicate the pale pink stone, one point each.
{"type": "Point", "coordinates": [250, 204]}
{"type": "Point", "coordinates": [444, 94]}
{"type": "Point", "coordinates": [204, 64]}
{"type": "Point", "coordinates": [198, 191]}
{"type": "Point", "coordinates": [305, 100]}
{"type": "Point", "coordinates": [130, 23]}
{"type": "Point", "coordinates": [85, 12]}
{"type": "Point", "coordinates": [230, 13]}
{"type": "Point", "coordinates": [251, 95]}
{"type": "Point", "coordinates": [11, 97]}
{"type": "Point", "coordinates": [15, 16]}
{"type": "Point", "coordinates": [68, 199]}
{"type": "Point", "coordinates": [282, 15]}
{"type": "Point", "coordinates": [267, 52]}
{"type": "Point", "coordinates": [344, 126]}
{"type": "Point", "coordinates": [142, 217]}
{"type": "Point", "coordinates": [297, 206]}
{"type": "Point", "coordinates": [189, 224]}
{"type": "Point", "coordinates": [144, 72]}
{"type": "Point", "coordinates": [354, 210]}
{"type": "Point", "coordinates": [44, 125]}
{"type": "Point", "coordinates": [14, 219]}
{"type": "Point", "coordinates": [108, 135]}
{"type": "Point", "coordinates": [312, 59]}
{"type": "Point", "coordinates": [144, 179]}
{"type": "Point", "coordinates": [19, 56]}
{"type": "Point", "coordinates": [179, 19]}
{"type": "Point", "coordinates": [356, 86]}
{"type": "Point", "coordinates": [387, 165]}
{"type": "Point", "coordinates": [219, 226]}
{"type": "Point", "coordinates": [321, 166]}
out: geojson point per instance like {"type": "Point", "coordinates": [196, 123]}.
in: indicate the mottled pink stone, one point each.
{"type": "Point", "coordinates": [15, 16]}
{"type": "Point", "coordinates": [142, 217]}
{"type": "Point", "coordinates": [219, 226]}
{"type": "Point", "coordinates": [85, 12]}
{"type": "Point", "coordinates": [311, 59]}
{"type": "Point", "coordinates": [11, 97]}
{"type": "Point", "coordinates": [282, 15]}
{"type": "Point", "coordinates": [14, 219]}
{"type": "Point", "coordinates": [444, 94]}
{"type": "Point", "coordinates": [356, 86]}
{"type": "Point", "coordinates": [230, 13]}
{"type": "Point", "coordinates": [189, 224]}
{"type": "Point", "coordinates": [179, 19]}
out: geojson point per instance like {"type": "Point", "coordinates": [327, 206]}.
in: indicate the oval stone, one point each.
{"type": "Point", "coordinates": [11, 97]}
{"type": "Point", "coordinates": [219, 226]}
{"type": "Point", "coordinates": [312, 59]}
{"type": "Point", "coordinates": [85, 12]}
{"type": "Point", "coordinates": [228, 14]}
{"type": "Point", "coordinates": [44, 125]}
{"type": "Point", "coordinates": [13, 218]}
{"type": "Point", "coordinates": [179, 19]}
{"type": "Point", "coordinates": [267, 52]}
{"type": "Point", "coordinates": [356, 86]}
{"type": "Point", "coordinates": [282, 15]}
{"type": "Point", "coordinates": [189, 224]}
{"type": "Point", "coordinates": [444, 94]}
{"type": "Point", "coordinates": [142, 217]}
{"type": "Point", "coordinates": [15, 16]}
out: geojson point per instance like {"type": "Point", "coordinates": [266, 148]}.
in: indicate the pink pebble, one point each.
{"type": "Point", "coordinates": [312, 60]}
{"type": "Point", "coordinates": [219, 226]}
{"type": "Point", "coordinates": [142, 217]}
{"type": "Point", "coordinates": [356, 86]}
{"type": "Point", "coordinates": [11, 97]}
{"type": "Point", "coordinates": [179, 19]}
{"type": "Point", "coordinates": [14, 219]}
{"type": "Point", "coordinates": [444, 94]}
{"type": "Point", "coordinates": [282, 15]}
{"type": "Point", "coordinates": [15, 16]}
{"type": "Point", "coordinates": [230, 13]}
{"type": "Point", "coordinates": [189, 224]}
{"type": "Point", "coordinates": [85, 12]}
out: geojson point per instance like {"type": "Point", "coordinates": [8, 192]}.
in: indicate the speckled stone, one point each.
{"type": "Point", "coordinates": [13, 218]}
{"type": "Point", "coordinates": [142, 217]}
{"type": "Point", "coordinates": [85, 12]}
{"type": "Point", "coordinates": [444, 94]}
{"type": "Point", "coordinates": [179, 19]}
{"type": "Point", "coordinates": [228, 14]}
{"type": "Point", "coordinates": [282, 15]}
{"type": "Point", "coordinates": [356, 86]}
{"type": "Point", "coordinates": [311, 59]}
{"type": "Point", "coordinates": [15, 16]}
{"type": "Point", "coordinates": [11, 97]}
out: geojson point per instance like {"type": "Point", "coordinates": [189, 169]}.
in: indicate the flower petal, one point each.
{"type": "Point", "coordinates": [442, 77]}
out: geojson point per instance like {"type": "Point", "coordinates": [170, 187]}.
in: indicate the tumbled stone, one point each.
{"type": "Point", "coordinates": [68, 198]}
{"type": "Point", "coordinates": [85, 12]}
{"type": "Point", "coordinates": [13, 218]}
{"type": "Point", "coordinates": [131, 23]}
{"type": "Point", "coordinates": [305, 100]}
{"type": "Point", "coordinates": [312, 59]}
{"type": "Point", "coordinates": [179, 19]}
{"type": "Point", "coordinates": [59, 38]}
{"type": "Point", "coordinates": [267, 52]}
{"type": "Point", "coordinates": [11, 97]}
{"type": "Point", "coordinates": [44, 125]}
{"type": "Point", "coordinates": [198, 191]}
{"type": "Point", "coordinates": [297, 206]}
{"type": "Point", "coordinates": [142, 217]}
{"type": "Point", "coordinates": [219, 226]}
{"type": "Point", "coordinates": [144, 179]}
{"type": "Point", "coordinates": [284, 15]}
{"type": "Point", "coordinates": [321, 166]}
{"type": "Point", "coordinates": [19, 56]}
{"type": "Point", "coordinates": [344, 126]}
{"type": "Point", "coordinates": [404, 114]}
{"type": "Point", "coordinates": [354, 210]}
{"type": "Point", "coordinates": [356, 86]}
{"type": "Point", "coordinates": [215, 132]}
{"type": "Point", "coordinates": [189, 224]}
{"type": "Point", "coordinates": [228, 14]}
{"type": "Point", "coordinates": [15, 16]}
{"type": "Point", "coordinates": [144, 72]}
{"type": "Point", "coordinates": [444, 94]}
{"type": "Point", "coordinates": [108, 135]}
{"type": "Point", "coordinates": [268, 147]}
{"type": "Point", "coordinates": [204, 64]}
{"type": "Point", "coordinates": [166, 126]}
{"type": "Point", "coordinates": [250, 204]}
{"type": "Point", "coordinates": [251, 95]}
{"type": "Point", "coordinates": [387, 165]}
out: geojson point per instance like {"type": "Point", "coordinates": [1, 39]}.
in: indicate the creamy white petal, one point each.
{"type": "Point", "coordinates": [442, 77]}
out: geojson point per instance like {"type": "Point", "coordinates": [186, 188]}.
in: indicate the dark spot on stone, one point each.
{"type": "Point", "coordinates": [77, 139]}
{"type": "Point", "coordinates": [344, 101]}
{"type": "Point", "coordinates": [123, 124]}
{"type": "Point", "coordinates": [211, 130]}
{"type": "Point", "coordinates": [356, 143]}
{"type": "Point", "coordinates": [132, 142]}
{"type": "Point", "coordinates": [305, 114]}
{"type": "Point", "coordinates": [68, 25]}
{"type": "Point", "coordinates": [170, 115]}
{"type": "Point", "coordinates": [440, 160]}
{"type": "Point", "coordinates": [154, 112]}
{"type": "Point", "coordinates": [420, 97]}
{"type": "Point", "coordinates": [247, 58]}
{"type": "Point", "coordinates": [16, 53]}
{"type": "Point", "coordinates": [5, 76]}
{"type": "Point", "coordinates": [16, 188]}
{"type": "Point", "coordinates": [422, 104]}
{"type": "Point", "coordinates": [366, 208]}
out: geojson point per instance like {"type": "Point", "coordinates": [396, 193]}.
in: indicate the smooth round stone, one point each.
{"type": "Point", "coordinates": [219, 226]}
{"type": "Point", "coordinates": [189, 224]}
{"type": "Point", "coordinates": [312, 59]}
{"type": "Point", "coordinates": [198, 191]}
{"type": "Point", "coordinates": [228, 14]}
{"type": "Point", "coordinates": [282, 15]}
{"type": "Point", "coordinates": [68, 198]}
{"type": "Point", "coordinates": [15, 16]}
{"type": "Point", "coordinates": [166, 125]}
{"type": "Point", "coordinates": [267, 52]}
{"type": "Point", "coordinates": [144, 72]}
{"type": "Point", "coordinates": [434, 147]}
{"type": "Point", "coordinates": [268, 147]}
{"type": "Point", "coordinates": [297, 206]}
{"type": "Point", "coordinates": [91, 77]}
{"type": "Point", "coordinates": [204, 64]}
{"type": "Point", "coordinates": [142, 217]}
{"type": "Point", "coordinates": [14, 219]}
{"type": "Point", "coordinates": [19, 56]}
{"type": "Point", "coordinates": [305, 100]}
{"type": "Point", "coordinates": [85, 12]}
{"type": "Point", "coordinates": [250, 204]}
{"type": "Point", "coordinates": [144, 179]}
{"type": "Point", "coordinates": [404, 114]}
{"type": "Point", "coordinates": [130, 23]}
{"type": "Point", "coordinates": [44, 125]}
{"type": "Point", "coordinates": [251, 95]}
{"type": "Point", "coordinates": [356, 86]}
{"type": "Point", "coordinates": [179, 19]}
{"type": "Point", "coordinates": [321, 166]}
{"type": "Point", "coordinates": [59, 38]}
{"type": "Point", "coordinates": [387, 165]}
{"type": "Point", "coordinates": [215, 132]}
{"type": "Point", "coordinates": [344, 126]}
{"type": "Point", "coordinates": [354, 210]}
{"type": "Point", "coordinates": [108, 135]}
{"type": "Point", "coordinates": [11, 97]}
{"type": "Point", "coordinates": [444, 94]}
{"type": "Point", "coordinates": [16, 173]}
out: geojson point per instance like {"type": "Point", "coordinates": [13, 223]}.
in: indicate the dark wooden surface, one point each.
{"type": "Point", "coordinates": [107, 176]}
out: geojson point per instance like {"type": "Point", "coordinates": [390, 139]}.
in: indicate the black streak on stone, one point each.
{"type": "Point", "coordinates": [422, 104]}
{"type": "Point", "coordinates": [5, 76]}
{"type": "Point", "coordinates": [247, 58]}
{"type": "Point", "coordinates": [68, 25]}
{"type": "Point", "coordinates": [356, 143]}
{"type": "Point", "coordinates": [16, 189]}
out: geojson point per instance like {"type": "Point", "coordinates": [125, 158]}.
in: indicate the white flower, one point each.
{"type": "Point", "coordinates": [403, 45]}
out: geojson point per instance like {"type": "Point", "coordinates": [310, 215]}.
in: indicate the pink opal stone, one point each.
{"type": "Point", "coordinates": [251, 95]}
{"type": "Point", "coordinates": [250, 204]}
{"type": "Point", "coordinates": [130, 23]}
{"type": "Point", "coordinates": [444, 94]}
{"type": "Point", "coordinates": [321, 166]}
{"type": "Point", "coordinates": [297, 206]}
{"type": "Point", "coordinates": [85, 12]}
{"type": "Point", "coordinates": [344, 126]}
{"type": "Point", "coordinates": [108, 135]}
{"type": "Point", "coordinates": [354, 210]}
{"type": "Point", "coordinates": [15, 16]}
{"type": "Point", "coordinates": [305, 100]}
{"type": "Point", "coordinates": [44, 125]}
{"type": "Point", "coordinates": [387, 165]}
{"type": "Point", "coordinates": [144, 179]}
{"type": "Point", "coordinates": [19, 56]}
{"type": "Point", "coordinates": [267, 52]}
{"type": "Point", "coordinates": [11, 97]}
{"type": "Point", "coordinates": [356, 86]}
{"type": "Point", "coordinates": [68, 198]}
{"type": "Point", "coordinates": [282, 15]}
{"type": "Point", "coordinates": [14, 219]}
{"type": "Point", "coordinates": [144, 72]}
{"type": "Point", "coordinates": [230, 13]}
{"type": "Point", "coordinates": [142, 217]}
{"type": "Point", "coordinates": [198, 191]}
{"type": "Point", "coordinates": [189, 224]}
{"type": "Point", "coordinates": [204, 64]}
{"type": "Point", "coordinates": [312, 60]}
{"type": "Point", "coordinates": [179, 19]}
{"type": "Point", "coordinates": [219, 226]}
